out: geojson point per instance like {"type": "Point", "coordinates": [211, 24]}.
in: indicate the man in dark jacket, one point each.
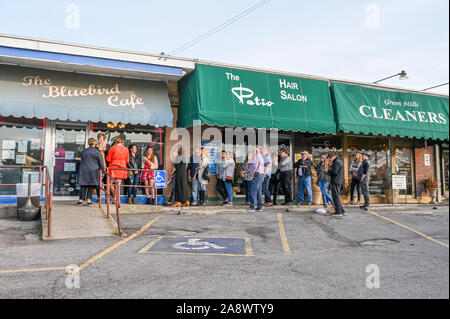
{"type": "Point", "coordinates": [304, 166]}
{"type": "Point", "coordinates": [336, 173]}
{"type": "Point", "coordinates": [363, 177]}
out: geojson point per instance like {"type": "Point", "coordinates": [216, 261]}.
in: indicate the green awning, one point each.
{"type": "Point", "coordinates": [240, 98]}
{"type": "Point", "coordinates": [390, 113]}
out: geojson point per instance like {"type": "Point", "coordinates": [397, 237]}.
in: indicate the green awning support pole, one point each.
{"type": "Point", "coordinates": [390, 170]}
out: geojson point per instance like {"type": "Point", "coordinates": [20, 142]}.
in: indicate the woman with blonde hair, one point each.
{"type": "Point", "coordinates": [203, 176]}
{"type": "Point", "coordinates": [149, 164]}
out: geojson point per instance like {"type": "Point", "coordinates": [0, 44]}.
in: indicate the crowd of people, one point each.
{"type": "Point", "coordinates": [122, 163]}
{"type": "Point", "coordinates": [262, 174]}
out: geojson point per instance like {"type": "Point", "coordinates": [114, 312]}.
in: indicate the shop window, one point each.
{"type": "Point", "coordinates": [379, 161]}
{"type": "Point", "coordinates": [22, 144]}
{"type": "Point", "coordinates": [403, 166]}
{"type": "Point", "coordinates": [142, 136]}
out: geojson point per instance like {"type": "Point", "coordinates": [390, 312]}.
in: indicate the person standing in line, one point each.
{"type": "Point", "coordinates": [257, 172]}
{"type": "Point", "coordinates": [228, 177]}
{"type": "Point", "coordinates": [103, 147]}
{"type": "Point", "coordinates": [246, 178]}
{"type": "Point", "coordinates": [202, 170]}
{"type": "Point", "coordinates": [194, 162]}
{"type": "Point", "coordinates": [267, 176]}
{"type": "Point", "coordinates": [134, 174]}
{"type": "Point", "coordinates": [304, 167]}
{"type": "Point", "coordinates": [89, 174]}
{"type": "Point", "coordinates": [118, 157]}
{"type": "Point", "coordinates": [285, 167]}
{"type": "Point", "coordinates": [336, 173]}
{"type": "Point", "coordinates": [172, 179]}
{"type": "Point", "coordinates": [274, 179]}
{"type": "Point", "coordinates": [354, 168]}
{"type": "Point", "coordinates": [220, 183]}
{"type": "Point", "coordinates": [181, 182]}
{"type": "Point", "coordinates": [364, 179]}
{"type": "Point", "coordinates": [149, 164]}
{"type": "Point", "coordinates": [322, 177]}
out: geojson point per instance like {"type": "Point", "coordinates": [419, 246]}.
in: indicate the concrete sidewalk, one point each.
{"type": "Point", "coordinates": [242, 209]}
{"type": "Point", "coordinates": [72, 221]}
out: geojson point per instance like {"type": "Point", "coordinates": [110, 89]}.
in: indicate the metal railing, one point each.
{"type": "Point", "coordinates": [48, 191]}
{"type": "Point", "coordinates": [114, 196]}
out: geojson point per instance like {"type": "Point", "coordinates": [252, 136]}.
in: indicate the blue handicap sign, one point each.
{"type": "Point", "coordinates": [160, 179]}
{"type": "Point", "coordinates": [200, 245]}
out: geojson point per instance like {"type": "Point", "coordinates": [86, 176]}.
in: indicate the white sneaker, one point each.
{"type": "Point", "coordinates": [250, 210]}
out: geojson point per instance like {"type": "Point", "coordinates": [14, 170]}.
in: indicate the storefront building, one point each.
{"type": "Point", "coordinates": [52, 102]}
{"type": "Point", "coordinates": [232, 99]}
{"type": "Point", "coordinates": [405, 132]}
{"type": "Point", "coordinates": [54, 96]}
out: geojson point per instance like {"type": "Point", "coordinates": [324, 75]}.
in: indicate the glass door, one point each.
{"type": "Point", "coordinates": [70, 141]}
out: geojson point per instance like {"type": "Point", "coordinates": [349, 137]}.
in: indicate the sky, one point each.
{"type": "Point", "coordinates": [349, 39]}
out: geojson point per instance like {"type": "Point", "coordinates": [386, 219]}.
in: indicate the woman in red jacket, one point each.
{"type": "Point", "coordinates": [118, 157]}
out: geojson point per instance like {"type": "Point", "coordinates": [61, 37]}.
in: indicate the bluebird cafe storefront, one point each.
{"type": "Point", "coordinates": [405, 132]}
{"type": "Point", "coordinates": [46, 118]}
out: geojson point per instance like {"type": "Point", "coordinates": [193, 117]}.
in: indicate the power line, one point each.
{"type": "Point", "coordinates": [219, 27]}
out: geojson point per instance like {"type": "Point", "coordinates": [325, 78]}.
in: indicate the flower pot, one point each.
{"type": "Point", "coordinates": [433, 193]}
{"type": "Point", "coordinates": [388, 195]}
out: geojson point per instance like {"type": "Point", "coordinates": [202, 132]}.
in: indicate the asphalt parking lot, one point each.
{"type": "Point", "coordinates": [273, 254]}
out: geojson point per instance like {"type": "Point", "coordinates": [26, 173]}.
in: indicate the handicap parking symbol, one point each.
{"type": "Point", "coordinates": [160, 179]}
{"type": "Point", "coordinates": [198, 245]}
{"type": "Point", "coordinates": [195, 243]}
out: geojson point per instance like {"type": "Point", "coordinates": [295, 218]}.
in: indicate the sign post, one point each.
{"type": "Point", "coordinates": [160, 181]}
{"type": "Point", "coordinates": [399, 182]}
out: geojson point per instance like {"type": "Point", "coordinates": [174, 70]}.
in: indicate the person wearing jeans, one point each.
{"type": "Point", "coordinates": [267, 176]}
{"type": "Point", "coordinates": [228, 177]}
{"type": "Point", "coordinates": [304, 166]}
{"type": "Point", "coordinates": [133, 176]}
{"type": "Point", "coordinates": [322, 176]}
{"type": "Point", "coordinates": [192, 169]}
{"type": "Point", "coordinates": [257, 171]}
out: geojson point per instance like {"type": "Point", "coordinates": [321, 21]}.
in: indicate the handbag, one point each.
{"type": "Point", "coordinates": [206, 174]}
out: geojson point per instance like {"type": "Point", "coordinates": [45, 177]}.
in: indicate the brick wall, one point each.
{"type": "Point", "coordinates": [423, 171]}
{"type": "Point", "coordinates": [174, 101]}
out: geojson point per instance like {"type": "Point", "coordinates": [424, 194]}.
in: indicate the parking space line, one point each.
{"type": "Point", "coordinates": [112, 247]}
{"type": "Point", "coordinates": [150, 245]}
{"type": "Point", "coordinates": [409, 228]}
{"type": "Point", "coordinates": [31, 270]}
{"type": "Point", "coordinates": [284, 242]}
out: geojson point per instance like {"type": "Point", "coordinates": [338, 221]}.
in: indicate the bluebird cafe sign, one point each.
{"type": "Point", "coordinates": [42, 93]}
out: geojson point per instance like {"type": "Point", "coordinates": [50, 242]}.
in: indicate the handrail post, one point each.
{"type": "Point", "coordinates": [107, 195]}
{"type": "Point", "coordinates": [100, 186]}
{"type": "Point", "coordinates": [117, 208]}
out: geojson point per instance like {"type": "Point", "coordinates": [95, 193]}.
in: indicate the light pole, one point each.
{"type": "Point", "coordinates": [436, 86]}
{"type": "Point", "coordinates": [402, 76]}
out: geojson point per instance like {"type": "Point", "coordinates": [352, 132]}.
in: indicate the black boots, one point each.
{"type": "Point", "coordinates": [202, 201]}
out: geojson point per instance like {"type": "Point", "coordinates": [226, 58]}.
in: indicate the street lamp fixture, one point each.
{"type": "Point", "coordinates": [402, 76]}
